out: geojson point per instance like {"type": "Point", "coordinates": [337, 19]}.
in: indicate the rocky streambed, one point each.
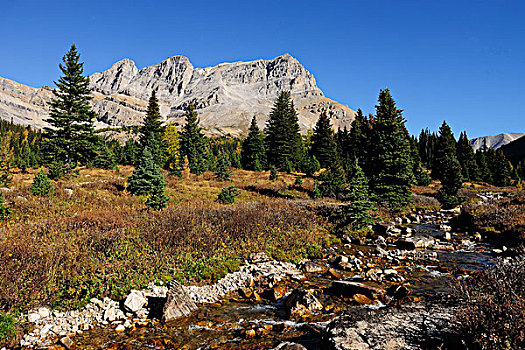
{"type": "Point", "coordinates": [390, 292]}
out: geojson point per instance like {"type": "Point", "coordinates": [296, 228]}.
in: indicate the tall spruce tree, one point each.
{"type": "Point", "coordinates": [466, 158]}
{"type": "Point", "coordinates": [253, 153]}
{"type": "Point", "coordinates": [152, 131]}
{"type": "Point", "coordinates": [71, 139]}
{"type": "Point", "coordinates": [445, 148]}
{"type": "Point", "coordinates": [485, 173]}
{"type": "Point", "coordinates": [389, 160]}
{"type": "Point", "coordinates": [447, 168]}
{"type": "Point", "coordinates": [283, 140]}
{"type": "Point", "coordinates": [193, 143]}
{"type": "Point", "coordinates": [358, 142]}
{"type": "Point", "coordinates": [324, 146]}
{"type": "Point", "coordinates": [501, 170]}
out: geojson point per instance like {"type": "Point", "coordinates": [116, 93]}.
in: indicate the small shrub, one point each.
{"type": "Point", "coordinates": [298, 180]}
{"type": "Point", "coordinates": [228, 194]}
{"type": "Point", "coordinates": [8, 326]}
{"type": "Point", "coordinates": [273, 173]}
{"type": "Point", "coordinates": [42, 186]}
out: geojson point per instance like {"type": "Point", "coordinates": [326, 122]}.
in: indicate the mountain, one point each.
{"type": "Point", "coordinates": [226, 96]}
{"type": "Point", "coordinates": [515, 150]}
{"type": "Point", "coordinates": [495, 142]}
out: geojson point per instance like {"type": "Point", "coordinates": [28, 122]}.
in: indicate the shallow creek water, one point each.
{"type": "Point", "coordinates": [240, 323]}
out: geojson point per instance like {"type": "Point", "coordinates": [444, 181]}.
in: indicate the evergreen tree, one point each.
{"type": "Point", "coordinates": [310, 165]}
{"type": "Point", "coordinates": [502, 170]}
{"type": "Point", "coordinates": [228, 194]}
{"type": "Point", "coordinates": [42, 186]}
{"type": "Point", "coordinates": [324, 146]}
{"type": "Point", "coordinates": [445, 149]}
{"type": "Point", "coordinates": [447, 168]}
{"type": "Point", "coordinates": [356, 145]}
{"type": "Point", "coordinates": [158, 199]}
{"type": "Point", "coordinates": [25, 158]}
{"type": "Point", "coordinates": [466, 158]}
{"type": "Point", "coordinates": [253, 150]}
{"type": "Point", "coordinates": [357, 213]}
{"type": "Point", "coordinates": [70, 139]}
{"type": "Point", "coordinates": [151, 131]}
{"type": "Point", "coordinates": [192, 142]}
{"type": "Point", "coordinates": [222, 169]}
{"type": "Point", "coordinates": [104, 158]}
{"type": "Point", "coordinates": [129, 152]}
{"type": "Point", "coordinates": [451, 182]}
{"type": "Point", "coordinates": [389, 160]}
{"type": "Point", "coordinates": [283, 140]}
{"type": "Point", "coordinates": [485, 173]}
{"type": "Point", "coordinates": [146, 178]}
{"type": "Point", "coordinates": [333, 182]}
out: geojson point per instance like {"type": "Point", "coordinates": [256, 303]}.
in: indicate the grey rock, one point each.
{"type": "Point", "coordinates": [414, 327]}
{"type": "Point", "coordinates": [289, 346]}
{"type": "Point", "coordinates": [300, 301]}
{"type": "Point", "coordinates": [67, 342]}
{"type": "Point", "coordinates": [178, 302]}
{"type": "Point", "coordinates": [134, 301]}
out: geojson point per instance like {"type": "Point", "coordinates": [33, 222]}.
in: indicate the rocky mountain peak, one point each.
{"type": "Point", "coordinates": [226, 96]}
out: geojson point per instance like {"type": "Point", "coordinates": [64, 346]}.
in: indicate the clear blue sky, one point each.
{"type": "Point", "coordinates": [463, 61]}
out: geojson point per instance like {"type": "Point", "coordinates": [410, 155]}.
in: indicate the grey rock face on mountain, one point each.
{"type": "Point", "coordinates": [495, 142]}
{"type": "Point", "coordinates": [226, 96]}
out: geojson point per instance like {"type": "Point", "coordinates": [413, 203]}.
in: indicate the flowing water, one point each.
{"type": "Point", "coordinates": [240, 323]}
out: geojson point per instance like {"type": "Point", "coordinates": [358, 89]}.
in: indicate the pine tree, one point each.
{"type": "Point", "coordinates": [253, 149]}
{"type": "Point", "coordinates": [333, 182]}
{"type": "Point", "coordinates": [147, 177]}
{"type": "Point", "coordinates": [192, 142]}
{"type": "Point", "coordinates": [485, 173]}
{"type": "Point", "coordinates": [310, 165]}
{"type": "Point", "coordinates": [151, 131]}
{"type": "Point", "coordinates": [389, 161]}
{"type": "Point", "coordinates": [356, 144]}
{"type": "Point", "coordinates": [447, 168]}
{"type": "Point", "coordinates": [70, 139]}
{"type": "Point", "coordinates": [357, 213]}
{"type": "Point", "coordinates": [451, 182]}
{"type": "Point", "coordinates": [42, 186]}
{"type": "Point", "coordinates": [445, 148]}
{"type": "Point", "coordinates": [466, 158]}
{"type": "Point", "coordinates": [502, 170]}
{"type": "Point", "coordinates": [222, 169]}
{"type": "Point", "coordinates": [104, 158]}
{"type": "Point", "coordinates": [283, 140]}
{"type": "Point", "coordinates": [129, 152]}
{"type": "Point", "coordinates": [316, 192]}
{"type": "Point", "coordinates": [324, 146]}
{"type": "Point", "coordinates": [158, 199]}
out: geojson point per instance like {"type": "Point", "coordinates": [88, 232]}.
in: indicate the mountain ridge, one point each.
{"type": "Point", "coordinates": [226, 95]}
{"type": "Point", "coordinates": [495, 141]}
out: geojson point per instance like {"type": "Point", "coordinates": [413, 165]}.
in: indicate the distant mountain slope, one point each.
{"type": "Point", "coordinates": [495, 142]}
{"type": "Point", "coordinates": [227, 96]}
{"type": "Point", "coordinates": [515, 150]}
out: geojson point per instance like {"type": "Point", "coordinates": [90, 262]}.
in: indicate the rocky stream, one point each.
{"type": "Point", "coordinates": [391, 292]}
